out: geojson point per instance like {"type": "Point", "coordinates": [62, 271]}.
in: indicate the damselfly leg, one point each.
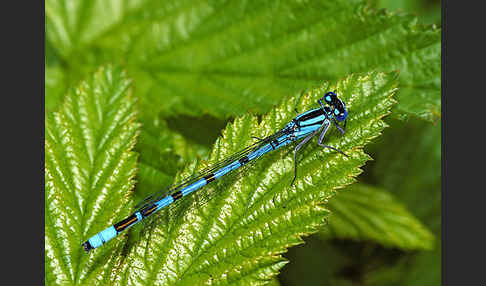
{"type": "Point", "coordinates": [321, 138]}
{"type": "Point", "coordinates": [339, 127]}
{"type": "Point", "coordinates": [297, 148]}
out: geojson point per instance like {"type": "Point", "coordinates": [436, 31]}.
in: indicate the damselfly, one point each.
{"type": "Point", "coordinates": [305, 125]}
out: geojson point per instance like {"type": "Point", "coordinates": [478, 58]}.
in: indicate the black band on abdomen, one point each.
{"type": "Point", "coordinates": [244, 160]}
{"type": "Point", "coordinates": [177, 195]}
{"type": "Point", "coordinates": [209, 178]}
{"type": "Point", "coordinates": [148, 210]}
{"type": "Point", "coordinates": [120, 226]}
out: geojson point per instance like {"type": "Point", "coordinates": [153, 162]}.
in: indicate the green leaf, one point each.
{"type": "Point", "coordinates": [363, 212]}
{"type": "Point", "coordinates": [238, 236]}
{"type": "Point", "coordinates": [226, 57]}
{"type": "Point", "coordinates": [89, 171]}
{"type": "Point", "coordinates": [408, 163]}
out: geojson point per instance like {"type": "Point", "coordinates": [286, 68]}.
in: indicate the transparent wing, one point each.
{"type": "Point", "coordinates": [211, 169]}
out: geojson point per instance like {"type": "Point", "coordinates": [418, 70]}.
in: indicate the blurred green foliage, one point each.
{"type": "Point", "coordinates": [224, 58]}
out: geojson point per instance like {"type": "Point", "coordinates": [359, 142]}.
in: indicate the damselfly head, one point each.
{"type": "Point", "coordinates": [339, 110]}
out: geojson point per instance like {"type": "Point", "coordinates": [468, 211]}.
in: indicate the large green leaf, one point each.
{"type": "Point", "coordinates": [362, 212]}
{"type": "Point", "coordinates": [225, 57]}
{"type": "Point", "coordinates": [237, 236]}
{"type": "Point", "coordinates": [89, 171]}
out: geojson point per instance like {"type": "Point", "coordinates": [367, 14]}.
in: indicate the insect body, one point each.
{"type": "Point", "coordinates": [306, 125]}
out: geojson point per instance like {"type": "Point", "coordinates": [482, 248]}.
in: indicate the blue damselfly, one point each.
{"type": "Point", "coordinates": [306, 125]}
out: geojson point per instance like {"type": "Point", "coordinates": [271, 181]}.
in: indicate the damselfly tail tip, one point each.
{"type": "Point", "coordinates": [87, 246]}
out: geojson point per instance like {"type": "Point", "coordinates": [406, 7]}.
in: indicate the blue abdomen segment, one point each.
{"type": "Point", "coordinates": [101, 237]}
{"type": "Point", "coordinates": [225, 170]}
{"type": "Point", "coordinates": [109, 233]}
{"type": "Point", "coordinates": [164, 202]}
{"type": "Point", "coordinates": [191, 188]}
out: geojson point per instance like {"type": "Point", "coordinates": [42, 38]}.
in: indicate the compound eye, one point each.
{"type": "Point", "coordinates": [341, 113]}
{"type": "Point", "coordinates": [342, 116]}
{"type": "Point", "coordinates": [329, 97]}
